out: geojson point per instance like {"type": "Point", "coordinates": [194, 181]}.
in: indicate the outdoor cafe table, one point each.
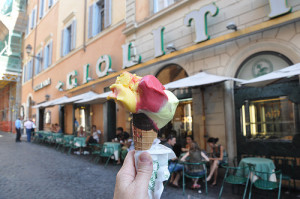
{"type": "Point", "coordinates": [261, 165]}
{"type": "Point", "coordinates": [79, 141]}
{"type": "Point", "coordinates": [115, 145]}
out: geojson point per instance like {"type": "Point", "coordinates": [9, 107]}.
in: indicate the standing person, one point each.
{"type": "Point", "coordinates": [219, 157]}
{"type": "Point", "coordinates": [76, 124]}
{"type": "Point", "coordinates": [29, 126]}
{"type": "Point", "coordinates": [18, 129]}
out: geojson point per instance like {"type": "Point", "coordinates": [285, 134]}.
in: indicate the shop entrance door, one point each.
{"type": "Point", "coordinates": [62, 117]}
{"type": "Point", "coordinates": [41, 118]}
{"type": "Point", "coordinates": [111, 120]}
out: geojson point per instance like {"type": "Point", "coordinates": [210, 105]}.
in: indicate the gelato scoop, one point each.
{"type": "Point", "coordinates": [145, 95]}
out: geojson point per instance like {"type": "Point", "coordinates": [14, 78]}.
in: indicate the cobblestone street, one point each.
{"type": "Point", "coordinates": [31, 170]}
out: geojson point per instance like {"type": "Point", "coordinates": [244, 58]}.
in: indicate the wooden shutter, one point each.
{"type": "Point", "coordinates": [62, 43]}
{"type": "Point", "coordinates": [90, 28]}
{"type": "Point", "coordinates": [34, 18]}
{"type": "Point", "coordinates": [73, 35]}
{"type": "Point", "coordinates": [37, 62]}
{"type": "Point", "coordinates": [24, 73]}
{"type": "Point", "coordinates": [41, 9]}
{"type": "Point", "coordinates": [96, 16]}
{"type": "Point", "coordinates": [107, 13]}
{"type": "Point", "coordinates": [50, 3]}
{"type": "Point", "coordinates": [50, 53]}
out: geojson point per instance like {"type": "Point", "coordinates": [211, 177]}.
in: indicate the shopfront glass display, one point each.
{"type": "Point", "coordinates": [82, 115]}
{"type": "Point", "coordinates": [276, 118]}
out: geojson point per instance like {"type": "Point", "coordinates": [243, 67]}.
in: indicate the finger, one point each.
{"type": "Point", "coordinates": [144, 170]}
{"type": "Point", "coordinates": [127, 172]}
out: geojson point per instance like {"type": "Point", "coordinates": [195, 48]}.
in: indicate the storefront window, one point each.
{"type": "Point", "coordinates": [276, 118]}
{"type": "Point", "coordinates": [182, 121]}
{"type": "Point", "coordinates": [82, 114]}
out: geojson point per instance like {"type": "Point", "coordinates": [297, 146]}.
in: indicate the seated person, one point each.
{"type": "Point", "coordinates": [195, 155]}
{"type": "Point", "coordinates": [219, 156]}
{"type": "Point", "coordinates": [57, 128]}
{"type": "Point", "coordinates": [128, 145]}
{"type": "Point", "coordinates": [53, 128]}
{"type": "Point", "coordinates": [173, 166]}
{"type": "Point", "coordinates": [189, 140]}
{"type": "Point", "coordinates": [94, 138]}
{"type": "Point", "coordinates": [81, 132]}
{"type": "Point", "coordinates": [119, 135]}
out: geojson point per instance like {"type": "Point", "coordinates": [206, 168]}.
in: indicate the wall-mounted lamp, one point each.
{"type": "Point", "coordinates": [231, 26]}
{"type": "Point", "coordinates": [28, 51]}
{"type": "Point", "coordinates": [171, 48]}
{"type": "Point", "coordinates": [47, 97]}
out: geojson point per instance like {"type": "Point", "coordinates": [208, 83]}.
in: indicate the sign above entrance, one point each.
{"type": "Point", "coordinates": [45, 83]}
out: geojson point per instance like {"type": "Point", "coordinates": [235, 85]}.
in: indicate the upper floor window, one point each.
{"type": "Point", "coordinates": [47, 55]}
{"type": "Point", "coordinates": [42, 9]}
{"type": "Point", "coordinates": [28, 71]}
{"type": "Point", "coordinates": [68, 38]}
{"type": "Point", "coordinates": [99, 17]}
{"type": "Point", "coordinates": [159, 5]}
{"type": "Point", "coordinates": [33, 19]}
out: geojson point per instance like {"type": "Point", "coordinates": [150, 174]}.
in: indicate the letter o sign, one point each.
{"type": "Point", "coordinates": [103, 71]}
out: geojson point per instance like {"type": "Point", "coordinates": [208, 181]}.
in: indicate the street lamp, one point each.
{"type": "Point", "coordinates": [28, 51]}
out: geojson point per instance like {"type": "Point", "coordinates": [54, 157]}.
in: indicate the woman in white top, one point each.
{"type": "Point", "coordinates": [94, 138]}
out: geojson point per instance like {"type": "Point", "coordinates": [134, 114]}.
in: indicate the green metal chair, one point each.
{"type": "Point", "coordinates": [67, 142]}
{"type": "Point", "coordinates": [235, 176]}
{"type": "Point", "coordinates": [264, 183]}
{"type": "Point", "coordinates": [107, 152]}
{"type": "Point", "coordinates": [185, 173]}
{"type": "Point", "coordinates": [57, 139]}
{"type": "Point", "coordinates": [77, 143]}
{"type": "Point", "coordinates": [96, 151]}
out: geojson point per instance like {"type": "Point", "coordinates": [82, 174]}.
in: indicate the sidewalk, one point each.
{"type": "Point", "coordinates": [31, 170]}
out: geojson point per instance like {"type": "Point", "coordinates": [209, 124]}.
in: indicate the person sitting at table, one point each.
{"type": "Point", "coordinates": [52, 128]}
{"type": "Point", "coordinates": [188, 140]}
{"type": "Point", "coordinates": [94, 138]}
{"type": "Point", "coordinates": [174, 167]}
{"type": "Point", "coordinates": [195, 155]}
{"type": "Point", "coordinates": [127, 146]}
{"type": "Point", "coordinates": [57, 129]}
{"type": "Point", "coordinates": [81, 132]}
{"type": "Point", "coordinates": [219, 157]}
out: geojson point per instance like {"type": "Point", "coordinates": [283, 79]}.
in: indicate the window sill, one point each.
{"type": "Point", "coordinates": [153, 17]}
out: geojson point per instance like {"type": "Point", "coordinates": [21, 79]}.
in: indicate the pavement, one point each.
{"type": "Point", "coordinates": [35, 171]}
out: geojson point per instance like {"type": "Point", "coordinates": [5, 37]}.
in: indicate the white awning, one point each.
{"type": "Point", "coordinates": [87, 95]}
{"type": "Point", "coordinates": [50, 103]}
{"type": "Point", "coordinates": [199, 79]}
{"type": "Point", "coordinates": [264, 80]}
{"type": "Point", "coordinates": [100, 98]}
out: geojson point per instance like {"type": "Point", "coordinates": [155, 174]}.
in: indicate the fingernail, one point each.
{"type": "Point", "coordinates": [144, 157]}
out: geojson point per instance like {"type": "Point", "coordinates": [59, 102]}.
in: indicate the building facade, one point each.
{"type": "Point", "coordinates": [65, 41]}
{"type": "Point", "coordinates": [170, 39]}
{"type": "Point", "coordinates": [12, 26]}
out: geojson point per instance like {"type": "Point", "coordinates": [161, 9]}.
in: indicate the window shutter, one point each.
{"type": "Point", "coordinates": [36, 70]}
{"type": "Point", "coordinates": [73, 35]}
{"type": "Point", "coordinates": [31, 20]}
{"type": "Point", "coordinates": [107, 13]}
{"type": "Point", "coordinates": [90, 28]}
{"type": "Point", "coordinates": [41, 9]}
{"type": "Point", "coordinates": [62, 43]}
{"type": "Point", "coordinates": [50, 3]}
{"type": "Point", "coordinates": [34, 18]}
{"type": "Point", "coordinates": [45, 60]}
{"type": "Point", "coordinates": [96, 16]}
{"type": "Point", "coordinates": [24, 73]}
{"type": "Point", "coordinates": [50, 54]}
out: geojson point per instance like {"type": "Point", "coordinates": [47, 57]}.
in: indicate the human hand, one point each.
{"type": "Point", "coordinates": [132, 184]}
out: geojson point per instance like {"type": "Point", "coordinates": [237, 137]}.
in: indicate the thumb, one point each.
{"type": "Point", "coordinates": [144, 170]}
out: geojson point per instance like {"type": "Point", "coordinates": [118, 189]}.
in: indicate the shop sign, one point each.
{"type": "Point", "coordinates": [45, 83]}
{"type": "Point", "coordinates": [71, 80]}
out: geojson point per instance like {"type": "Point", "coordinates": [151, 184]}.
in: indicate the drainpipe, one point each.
{"type": "Point", "coordinates": [84, 26]}
{"type": "Point", "coordinates": [203, 117]}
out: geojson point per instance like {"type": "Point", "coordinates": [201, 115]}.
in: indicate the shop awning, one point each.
{"type": "Point", "coordinates": [50, 103]}
{"type": "Point", "coordinates": [199, 79]}
{"type": "Point", "coordinates": [269, 78]}
{"type": "Point", "coordinates": [100, 98]}
{"type": "Point", "coordinates": [87, 95]}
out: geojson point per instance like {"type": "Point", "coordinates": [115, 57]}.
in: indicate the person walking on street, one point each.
{"type": "Point", "coordinates": [18, 129]}
{"type": "Point", "coordinates": [29, 126]}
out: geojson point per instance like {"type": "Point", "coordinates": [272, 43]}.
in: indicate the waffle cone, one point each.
{"type": "Point", "coordinates": [143, 139]}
